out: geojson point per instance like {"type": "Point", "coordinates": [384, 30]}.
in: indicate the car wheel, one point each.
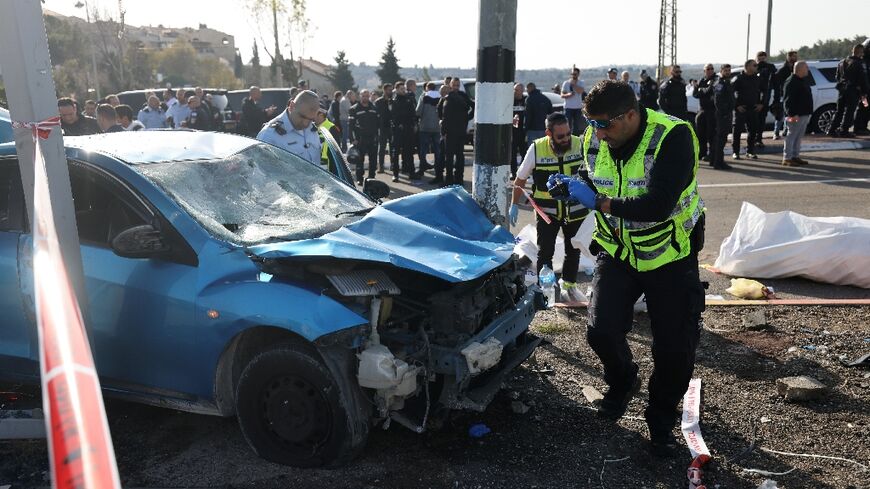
{"type": "Point", "coordinates": [291, 410]}
{"type": "Point", "coordinates": [822, 119]}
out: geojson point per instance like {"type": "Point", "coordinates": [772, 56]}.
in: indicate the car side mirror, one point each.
{"type": "Point", "coordinates": [375, 189]}
{"type": "Point", "coordinates": [139, 242]}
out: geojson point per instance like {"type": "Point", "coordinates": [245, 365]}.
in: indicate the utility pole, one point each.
{"type": "Point", "coordinates": [279, 76]}
{"type": "Point", "coordinates": [769, 22]}
{"type": "Point", "coordinates": [31, 94]}
{"type": "Point", "coordinates": [493, 116]}
{"type": "Point", "coordinates": [667, 37]}
{"type": "Point", "coordinates": [748, 25]}
{"type": "Point", "coordinates": [93, 52]}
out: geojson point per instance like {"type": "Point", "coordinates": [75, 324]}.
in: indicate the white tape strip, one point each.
{"type": "Point", "coordinates": [493, 103]}
{"type": "Point", "coordinates": [689, 425]}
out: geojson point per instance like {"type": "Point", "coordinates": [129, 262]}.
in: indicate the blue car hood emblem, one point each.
{"type": "Point", "coordinates": [442, 233]}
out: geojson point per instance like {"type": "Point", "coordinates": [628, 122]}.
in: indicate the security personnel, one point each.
{"type": "Point", "coordinates": [851, 85]}
{"type": "Point", "coordinates": [672, 96]}
{"type": "Point", "coordinates": [384, 106]}
{"type": "Point", "coordinates": [559, 152]}
{"type": "Point", "coordinates": [199, 118]}
{"type": "Point", "coordinates": [518, 141]}
{"type": "Point", "coordinates": [723, 101]}
{"type": "Point", "coordinates": [323, 123]}
{"type": "Point", "coordinates": [404, 114]}
{"type": "Point", "coordinates": [748, 106]}
{"type": "Point", "coordinates": [767, 83]}
{"type": "Point", "coordinates": [294, 131]}
{"type": "Point", "coordinates": [705, 121]}
{"type": "Point", "coordinates": [649, 229]}
{"type": "Point", "coordinates": [363, 122]}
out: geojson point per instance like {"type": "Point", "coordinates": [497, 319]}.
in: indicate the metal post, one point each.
{"type": "Point", "coordinates": [493, 116]}
{"type": "Point", "coordinates": [748, 25]}
{"type": "Point", "coordinates": [93, 52]}
{"type": "Point", "coordinates": [31, 95]}
{"type": "Point", "coordinates": [769, 22]}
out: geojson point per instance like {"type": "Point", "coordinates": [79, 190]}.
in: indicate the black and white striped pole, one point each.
{"type": "Point", "coordinates": [493, 116]}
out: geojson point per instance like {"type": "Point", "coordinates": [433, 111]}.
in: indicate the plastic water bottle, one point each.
{"type": "Point", "coordinates": [548, 284]}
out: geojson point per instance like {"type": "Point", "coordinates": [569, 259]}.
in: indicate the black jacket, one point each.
{"type": "Point", "coordinates": [672, 97]}
{"type": "Point", "coordinates": [766, 76]}
{"type": "Point", "coordinates": [455, 110]}
{"type": "Point", "coordinates": [84, 126]}
{"type": "Point", "coordinates": [253, 118]}
{"type": "Point", "coordinates": [649, 94]}
{"type": "Point", "coordinates": [798, 97]}
{"type": "Point", "coordinates": [748, 90]}
{"type": "Point", "coordinates": [723, 99]}
{"type": "Point", "coordinates": [520, 113]}
{"type": "Point", "coordinates": [703, 91]}
{"type": "Point", "coordinates": [854, 77]}
{"type": "Point", "coordinates": [384, 107]}
{"type": "Point", "coordinates": [538, 107]}
{"type": "Point", "coordinates": [199, 118]}
{"type": "Point", "coordinates": [779, 80]}
{"type": "Point", "coordinates": [404, 112]}
{"type": "Point", "coordinates": [363, 121]}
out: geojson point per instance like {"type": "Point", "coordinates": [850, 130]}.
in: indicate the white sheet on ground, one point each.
{"type": "Point", "coordinates": [527, 245]}
{"type": "Point", "coordinates": [833, 250]}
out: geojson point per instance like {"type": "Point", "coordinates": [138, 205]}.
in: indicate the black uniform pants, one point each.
{"type": "Point", "coordinates": [454, 157]}
{"type": "Point", "coordinates": [518, 148]}
{"type": "Point", "coordinates": [847, 102]}
{"type": "Point", "coordinates": [761, 119]}
{"type": "Point", "coordinates": [368, 147]}
{"type": "Point", "coordinates": [403, 144]}
{"type": "Point", "coordinates": [547, 246]}
{"type": "Point", "coordinates": [675, 300]}
{"type": "Point", "coordinates": [717, 145]}
{"type": "Point", "coordinates": [862, 117]}
{"type": "Point", "coordinates": [705, 125]}
{"type": "Point", "coordinates": [385, 138]}
{"type": "Point", "coordinates": [744, 121]}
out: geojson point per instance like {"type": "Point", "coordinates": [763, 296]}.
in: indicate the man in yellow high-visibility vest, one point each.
{"type": "Point", "coordinates": [649, 229]}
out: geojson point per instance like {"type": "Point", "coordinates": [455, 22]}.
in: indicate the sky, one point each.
{"type": "Point", "coordinates": [587, 33]}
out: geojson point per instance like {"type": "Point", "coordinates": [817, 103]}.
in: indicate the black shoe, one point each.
{"type": "Point", "coordinates": [415, 176]}
{"type": "Point", "coordinates": [436, 181]}
{"type": "Point", "coordinates": [723, 166]}
{"type": "Point", "coordinates": [395, 178]}
{"type": "Point", "coordinates": [424, 167]}
{"type": "Point", "coordinates": [759, 145]}
{"type": "Point", "coordinates": [663, 445]}
{"type": "Point", "coordinates": [614, 404]}
{"type": "Point", "coordinates": [705, 158]}
{"type": "Point", "coordinates": [752, 155]}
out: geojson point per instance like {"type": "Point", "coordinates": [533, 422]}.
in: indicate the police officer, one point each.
{"type": "Point", "coordinates": [384, 106]}
{"type": "Point", "coordinates": [404, 113]}
{"type": "Point", "coordinates": [767, 82]}
{"type": "Point", "coordinates": [705, 121]}
{"type": "Point", "coordinates": [518, 141]}
{"type": "Point", "coordinates": [649, 229]}
{"type": "Point", "coordinates": [672, 95]}
{"type": "Point", "coordinates": [199, 118]}
{"type": "Point", "coordinates": [363, 121]}
{"type": "Point", "coordinates": [559, 152]}
{"type": "Point", "coordinates": [778, 82]}
{"type": "Point", "coordinates": [723, 101]}
{"type": "Point", "coordinates": [294, 131]}
{"type": "Point", "coordinates": [323, 123]}
{"type": "Point", "coordinates": [747, 88]}
{"type": "Point", "coordinates": [649, 91]}
{"type": "Point", "coordinates": [851, 85]}
{"type": "Point", "coordinates": [862, 117]}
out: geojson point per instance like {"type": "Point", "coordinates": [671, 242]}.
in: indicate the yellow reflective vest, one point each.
{"type": "Point", "coordinates": [547, 163]}
{"type": "Point", "coordinates": [644, 245]}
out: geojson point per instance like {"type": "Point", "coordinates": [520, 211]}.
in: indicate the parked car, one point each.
{"type": "Point", "coordinates": [5, 126]}
{"type": "Point", "coordinates": [822, 79]}
{"type": "Point", "coordinates": [228, 277]}
{"type": "Point", "coordinates": [271, 96]}
{"type": "Point", "coordinates": [136, 99]}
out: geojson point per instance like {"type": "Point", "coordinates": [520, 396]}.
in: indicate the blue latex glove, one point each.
{"type": "Point", "coordinates": [514, 214]}
{"type": "Point", "coordinates": [581, 192]}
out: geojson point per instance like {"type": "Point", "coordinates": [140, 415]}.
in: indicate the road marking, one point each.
{"type": "Point", "coordinates": [797, 182]}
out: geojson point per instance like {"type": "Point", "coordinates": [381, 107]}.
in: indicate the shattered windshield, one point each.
{"type": "Point", "coordinates": [260, 194]}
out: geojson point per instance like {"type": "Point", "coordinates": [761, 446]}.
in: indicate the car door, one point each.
{"type": "Point", "coordinates": [141, 310]}
{"type": "Point", "coordinates": [17, 337]}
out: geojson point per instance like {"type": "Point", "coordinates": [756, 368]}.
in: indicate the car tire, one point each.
{"type": "Point", "coordinates": [822, 118]}
{"type": "Point", "coordinates": [292, 412]}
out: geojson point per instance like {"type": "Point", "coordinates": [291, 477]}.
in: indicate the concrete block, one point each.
{"type": "Point", "coordinates": [800, 388]}
{"type": "Point", "coordinates": [756, 320]}
{"type": "Point", "coordinates": [591, 394]}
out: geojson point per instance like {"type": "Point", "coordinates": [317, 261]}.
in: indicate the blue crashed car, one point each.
{"type": "Point", "coordinates": [228, 277]}
{"type": "Point", "coordinates": [5, 127]}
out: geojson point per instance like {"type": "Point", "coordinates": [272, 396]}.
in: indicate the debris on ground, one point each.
{"type": "Point", "coordinates": [800, 388]}
{"type": "Point", "coordinates": [478, 430]}
{"type": "Point", "coordinates": [519, 407]}
{"type": "Point", "coordinates": [592, 394]}
{"type": "Point", "coordinates": [755, 320]}
{"type": "Point", "coordinates": [745, 288]}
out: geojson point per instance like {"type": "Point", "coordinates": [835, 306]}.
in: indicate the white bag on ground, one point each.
{"type": "Point", "coordinates": [833, 250]}
{"type": "Point", "coordinates": [527, 245]}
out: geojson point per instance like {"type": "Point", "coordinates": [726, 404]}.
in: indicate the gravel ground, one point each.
{"type": "Point", "coordinates": [559, 442]}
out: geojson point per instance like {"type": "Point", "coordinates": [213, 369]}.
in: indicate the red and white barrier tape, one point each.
{"type": "Point", "coordinates": [80, 447]}
{"type": "Point", "coordinates": [692, 433]}
{"type": "Point", "coordinates": [540, 212]}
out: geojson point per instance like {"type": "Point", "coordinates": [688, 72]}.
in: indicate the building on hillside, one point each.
{"type": "Point", "coordinates": [316, 74]}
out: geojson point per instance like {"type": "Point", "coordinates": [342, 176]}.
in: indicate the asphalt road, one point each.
{"type": "Point", "coordinates": [836, 183]}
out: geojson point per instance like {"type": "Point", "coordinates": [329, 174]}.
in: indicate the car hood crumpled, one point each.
{"type": "Point", "coordinates": [442, 233]}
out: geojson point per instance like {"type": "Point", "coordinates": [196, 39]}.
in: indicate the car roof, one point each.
{"type": "Point", "coordinates": [142, 147]}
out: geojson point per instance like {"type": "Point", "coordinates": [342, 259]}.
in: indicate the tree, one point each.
{"type": "Point", "coordinates": [238, 66]}
{"type": "Point", "coordinates": [299, 31]}
{"type": "Point", "coordinates": [290, 72]}
{"type": "Point", "coordinates": [388, 70]}
{"type": "Point", "coordinates": [829, 48]}
{"type": "Point", "coordinates": [276, 9]}
{"type": "Point", "coordinates": [254, 79]}
{"type": "Point", "coordinates": [340, 76]}
{"type": "Point", "coordinates": [426, 76]}
{"type": "Point", "coordinates": [178, 63]}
